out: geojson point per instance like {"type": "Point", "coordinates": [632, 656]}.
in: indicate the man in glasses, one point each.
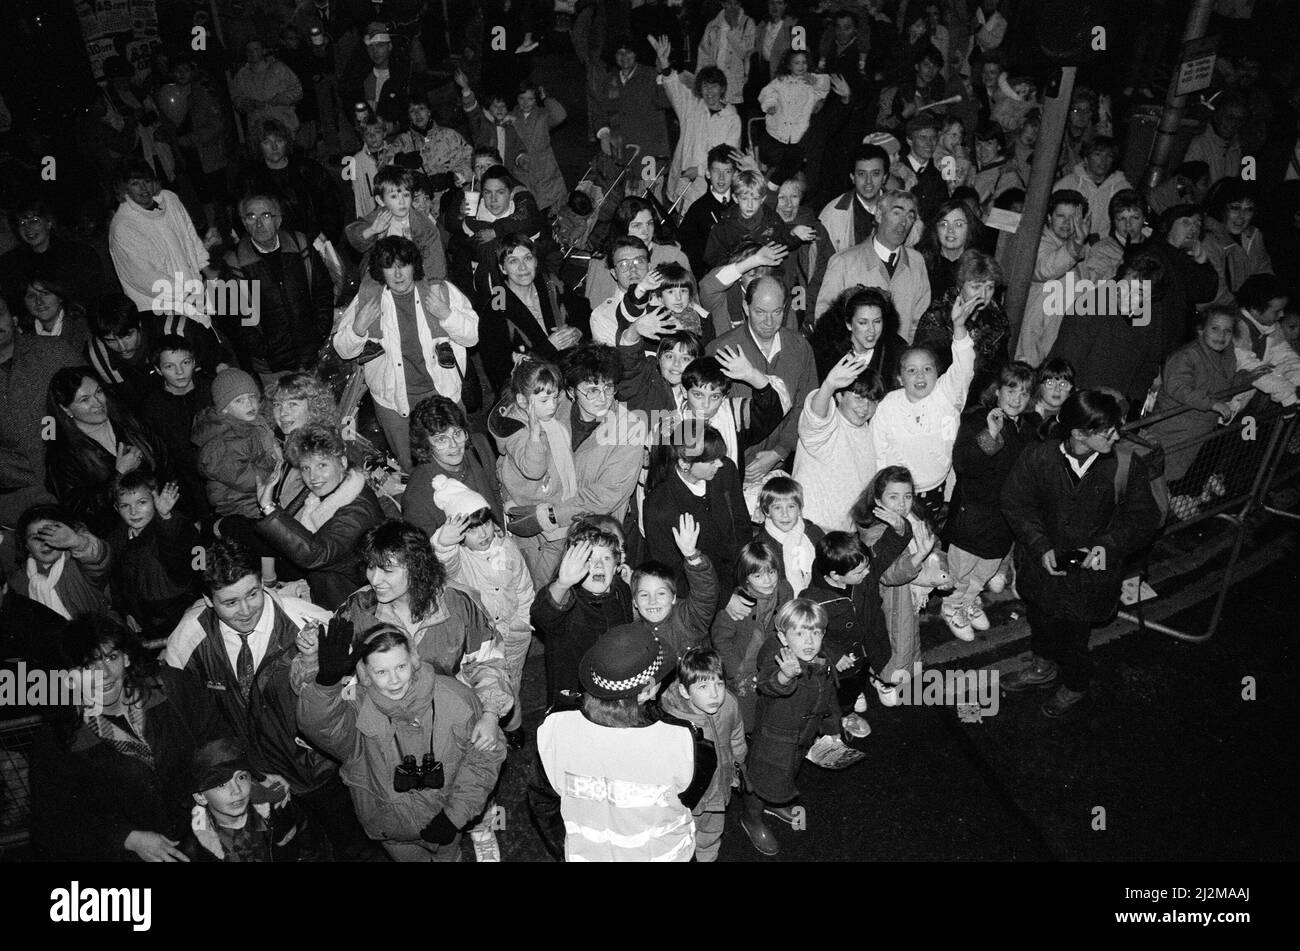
{"type": "Point", "coordinates": [630, 262]}
{"type": "Point", "coordinates": [284, 292]}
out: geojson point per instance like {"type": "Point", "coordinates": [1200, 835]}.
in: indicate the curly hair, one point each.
{"type": "Point", "coordinates": [89, 637]}
{"type": "Point", "coordinates": [315, 440]}
{"type": "Point", "coordinates": [309, 388]}
{"type": "Point", "coordinates": [395, 251]}
{"type": "Point", "coordinates": [401, 543]}
{"type": "Point", "coordinates": [431, 416]}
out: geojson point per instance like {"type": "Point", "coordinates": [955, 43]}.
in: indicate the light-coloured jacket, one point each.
{"type": "Point", "coordinates": [860, 266]}
{"type": "Point", "coordinates": [729, 48]}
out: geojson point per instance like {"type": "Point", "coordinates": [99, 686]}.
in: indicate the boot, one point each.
{"type": "Point", "coordinates": [751, 820]}
{"type": "Point", "coordinates": [1039, 672]}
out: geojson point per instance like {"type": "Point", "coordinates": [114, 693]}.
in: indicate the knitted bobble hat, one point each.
{"type": "Point", "coordinates": [455, 497]}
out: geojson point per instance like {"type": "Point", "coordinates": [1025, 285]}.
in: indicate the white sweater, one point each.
{"type": "Point", "coordinates": [150, 248]}
{"type": "Point", "coordinates": [701, 131]}
{"type": "Point", "coordinates": [795, 101]}
{"type": "Point", "coordinates": [834, 462]}
{"type": "Point", "coordinates": [921, 435]}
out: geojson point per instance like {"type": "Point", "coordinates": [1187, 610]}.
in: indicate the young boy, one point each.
{"type": "Point", "coordinates": [395, 217]}
{"type": "Point", "coordinates": [176, 396]}
{"type": "Point", "coordinates": [236, 445]}
{"type": "Point", "coordinates": [846, 583]}
{"type": "Point", "coordinates": [916, 425]}
{"type": "Point", "coordinates": [797, 677]}
{"type": "Point", "coordinates": [585, 600]}
{"type": "Point", "coordinates": [375, 154]}
{"type": "Point", "coordinates": [154, 582]}
{"type": "Point", "coordinates": [700, 696]}
{"type": "Point", "coordinates": [750, 220]}
{"type": "Point", "coordinates": [681, 625]}
{"type": "Point", "coordinates": [791, 536]}
{"type": "Point", "coordinates": [235, 818]}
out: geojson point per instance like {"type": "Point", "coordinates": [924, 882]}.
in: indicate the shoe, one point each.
{"type": "Point", "coordinates": [486, 847]}
{"type": "Point", "coordinates": [959, 624]}
{"type": "Point", "coordinates": [1063, 701]}
{"type": "Point", "coordinates": [759, 834]}
{"type": "Point", "coordinates": [1039, 672]}
{"type": "Point", "coordinates": [978, 619]}
{"type": "Point", "coordinates": [785, 813]}
{"type": "Point", "coordinates": [888, 693]}
{"type": "Point", "coordinates": [516, 739]}
{"type": "Point", "coordinates": [998, 583]}
{"type": "Point", "coordinates": [860, 704]}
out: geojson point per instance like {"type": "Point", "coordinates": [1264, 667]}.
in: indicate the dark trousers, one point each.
{"type": "Point", "coordinates": [330, 808]}
{"type": "Point", "coordinates": [1063, 640]}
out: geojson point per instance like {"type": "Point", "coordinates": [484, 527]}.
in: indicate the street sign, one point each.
{"type": "Point", "coordinates": [1196, 66]}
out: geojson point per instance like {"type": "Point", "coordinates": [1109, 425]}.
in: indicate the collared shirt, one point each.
{"type": "Point", "coordinates": [55, 331]}
{"type": "Point", "coordinates": [916, 164]}
{"type": "Point", "coordinates": [258, 641]}
{"type": "Point", "coordinates": [884, 253]}
{"type": "Point", "coordinates": [1080, 468]}
{"type": "Point", "coordinates": [775, 344]}
{"type": "Point", "coordinates": [697, 489]}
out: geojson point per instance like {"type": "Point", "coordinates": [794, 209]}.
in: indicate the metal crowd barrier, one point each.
{"type": "Point", "coordinates": [1237, 466]}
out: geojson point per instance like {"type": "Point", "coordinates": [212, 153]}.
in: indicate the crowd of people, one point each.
{"type": "Point", "coordinates": [305, 452]}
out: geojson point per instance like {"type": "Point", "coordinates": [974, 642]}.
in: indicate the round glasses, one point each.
{"type": "Point", "coordinates": [453, 437]}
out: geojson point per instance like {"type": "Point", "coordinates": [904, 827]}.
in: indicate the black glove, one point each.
{"type": "Point", "coordinates": [439, 831]}
{"type": "Point", "coordinates": [335, 653]}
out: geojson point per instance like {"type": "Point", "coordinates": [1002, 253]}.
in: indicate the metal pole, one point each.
{"type": "Point", "coordinates": [1171, 118]}
{"type": "Point", "coordinates": [1050, 136]}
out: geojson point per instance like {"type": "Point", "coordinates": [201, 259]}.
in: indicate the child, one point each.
{"type": "Point", "coordinates": [784, 528]}
{"type": "Point", "coordinates": [759, 592]}
{"type": "Point", "coordinates": [679, 297]}
{"type": "Point", "coordinates": [887, 504]}
{"type": "Point", "coordinates": [750, 220]}
{"type": "Point", "coordinates": [395, 217]}
{"type": "Point", "coordinates": [612, 783]}
{"type": "Point", "coordinates": [479, 556]}
{"type": "Point", "coordinates": [846, 583]}
{"type": "Point", "coordinates": [236, 817]}
{"type": "Point", "coordinates": [680, 624]}
{"type": "Point", "coordinates": [237, 445]}
{"type": "Point", "coordinates": [790, 101]}
{"type": "Point", "coordinates": [376, 154]}
{"type": "Point", "coordinates": [492, 127]}
{"type": "Point", "coordinates": [405, 743]}
{"type": "Point", "coordinates": [915, 426]}
{"type": "Point", "coordinates": [154, 582]}
{"type": "Point", "coordinates": [173, 402]}
{"type": "Point", "coordinates": [796, 684]}
{"type": "Point", "coordinates": [536, 464]}
{"type": "Point", "coordinates": [534, 116]}
{"type": "Point", "coordinates": [988, 444]}
{"type": "Point", "coordinates": [1053, 384]}
{"type": "Point", "coordinates": [67, 567]}
{"type": "Point", "coordinates": [700, 696]}
{"type": "Point", "coordinates": [586, 598]}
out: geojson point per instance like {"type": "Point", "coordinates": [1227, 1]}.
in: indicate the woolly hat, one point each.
{"type": "Point", "coordinates": [624, 661]}
{"type": "Point", "coordinates": [230, 384]}
{"type": "Point", "coordinates": [455, 497]}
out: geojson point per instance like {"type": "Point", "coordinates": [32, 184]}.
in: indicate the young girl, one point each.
{"type": "Point", "coordinates": [1193, 375]}
{"type": "Point", "coordinates": [988, 444]}
{"type": "Point", "coordinates": [479, 556]}
{"type": "Point", "coordinates": [952, 145]}
{"type": "Point", "coordinates": [416, 777]}
{"type": "Point", "coordinates": [888, 504]}
{"type": "Point", "coordinates": [797, 674]}
{"type": "Point", "coordinates": [67, 567]}
{"type": "Point", "coordinates": [790, 101]}
{"type": "Point", "coordinates": [679, 296]}
{"type": "Point", "coordinates": [1053, 385]}
{"type": "Point", "coordinates": [738, 640]}
{"type": "Point", "coordinates": [915, 426]}
{"type": "Point", "coordinates": [535, 115]}
{"type": "Point", "coordinates": [784, 528]}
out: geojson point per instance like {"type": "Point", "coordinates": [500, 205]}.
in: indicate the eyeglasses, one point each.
{"type": "Point", "coordinates": [453, 437]}
{"type": "Point", "coordinates": [1058, 384]}
{"type": "Point", "coordinates": [631, 263]}
{"type": "Point", "coordinates": [30, 220]}
{"type": "Point", "coordinates": [593, 390]}
{"type": "Point", "coordinates": [265, 217]}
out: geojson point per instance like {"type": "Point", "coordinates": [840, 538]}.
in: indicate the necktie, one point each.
{"type": "Point", "coordinates": [244, 667]}
{"type": "Point", "coordinates": [892, 263]}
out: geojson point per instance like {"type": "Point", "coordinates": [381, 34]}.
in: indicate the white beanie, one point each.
{"type": "Point", "coordinates": [455, 497]}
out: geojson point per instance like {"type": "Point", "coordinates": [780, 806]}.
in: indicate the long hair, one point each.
{"type": "Point", "coordinates": [401, 543]}
{"type": "Point", "coordinates": [52, 285]}
{"type": "Point", "coordinates": [90, 634]}
{"type": "Point", "coordinates": [831, 332]}
{"type": "Point", "coordinates": [68, 437]}
{"type": "Point", "coordinates": [929, 243]}
{"type": "Point", "coordinates": [321, 406]}
{"type": "Point", "coordinates": [863, 511]}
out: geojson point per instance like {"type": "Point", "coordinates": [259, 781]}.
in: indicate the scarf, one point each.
{"type": "Point", "coordinates": [316, 511]}
{"type": "Point", "coordinates": [119, 739]}
{"type": "Point", "coordinates": [557, 437]}
{"type": "Point", "coordinates": [44, 587]}
{"type": "Point", "coordinates": [798, 553]}
{"type": "Point", "coordinates": [406, 716]}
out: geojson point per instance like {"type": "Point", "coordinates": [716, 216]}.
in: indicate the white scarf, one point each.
{"type": "Point", "coordinates": [798, 553]}
{"type": "Point", "coordinates": [562, 468]}
{"type": "Point", "coordinates": [316, 511]}
{"type": "Point", "coordinates": [44, 587]}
